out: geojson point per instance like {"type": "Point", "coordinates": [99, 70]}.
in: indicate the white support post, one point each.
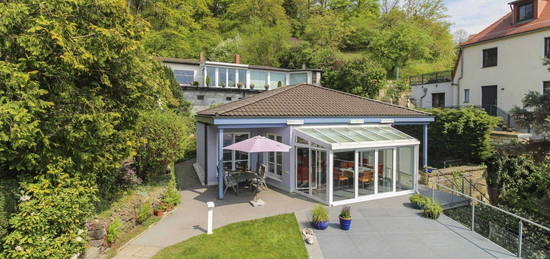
{"type": "Point", "coordinates": [330, 177]}
{"type": "Point", "coordinates": [394, 178]}
{"type": "Point", "coordinates": [376, 171]}
{"type": "Point", "coordinates": [211, 206]}
{"type": "Point", "coordinates": [356, 174]}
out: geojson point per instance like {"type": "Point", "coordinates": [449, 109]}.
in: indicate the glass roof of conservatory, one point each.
{"type": "Point", "coordinates": [357, 134]}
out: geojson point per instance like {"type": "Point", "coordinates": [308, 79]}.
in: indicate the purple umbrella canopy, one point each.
{"type": "Point", "coordinates": [259, 144]}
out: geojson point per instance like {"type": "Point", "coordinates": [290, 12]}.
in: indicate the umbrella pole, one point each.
{"type": "Point", "coordinates": [257, 201]}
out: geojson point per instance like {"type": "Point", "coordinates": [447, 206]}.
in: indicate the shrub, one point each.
{"type": "Point", "coordinates": [171, 195]}
{"type": "Point", "coordinates": [145, 212]}
{"type": "Point", "coordinates": [345, 213]}
{"type": "Point", "coordinates": [457, 134]}
{"type": "Point", "coordinates": [113, 230]}
{"type": "Point", "coordinates": [319, 214]}
{"type": "Point", "coordinates": [419, 201]}
{"type": "Point", "coordinates": [51, 217]}
{"type": "Point", "coordinates": [163, 136]}
{"type": "Point", "coordinates": [8, 204]}
{"type": "Point", "coordinates": [432, 210]}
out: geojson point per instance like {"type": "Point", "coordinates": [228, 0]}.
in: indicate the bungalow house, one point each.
{"type": "Point", "coordinates": [344, 148]}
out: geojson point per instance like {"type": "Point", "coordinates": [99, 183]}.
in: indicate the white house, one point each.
{"type": "Point", "coordinates": [209, 83]}
{"type": "Point", "coordinates": [502, 63]}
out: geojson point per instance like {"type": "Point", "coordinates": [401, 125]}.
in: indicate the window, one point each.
{"type": "Point", "coordinates": [525, 12]}
{"type": "Point", "coordinates": [275, 159]}
{"type": "Point", "coordinates": [228, 98]}
{"type": "Point", "coordinates": [438, 100]}
{"type": "Point", "coordinates": [234, 160]}
{"type": "Point", "coordinates": [547, 47]}
{"type": "Point", "coordinates": [275, 78]}
{"type": "Point", "coordinates": [298, 78]}
{"type": "Point", "coordinates": [232, 77]}
{"type": "Point", "coordinates": [200, 97]}
{"type": "Point", "coordinates": [258, 78]}
{"type": "Point", "coordinates": [466, 95]}
{"type": "Point", "coordinates": [222, 76]}
{"type": "Point", "coordinates": [185, 77]}
{"type": "Point", "coordinates": [242, 77]}
{"type": "Point", "coordinates": [210, 76]}
{"type": "Point", "coordinates": [546, 87]}
{"type": "Point", "coordinates": [490, 57]}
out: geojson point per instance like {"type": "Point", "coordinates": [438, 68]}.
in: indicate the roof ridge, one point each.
{"type": "Point", "coordinates": [366, 98]}
{"type": "Point", "coordinates": [258, 98]}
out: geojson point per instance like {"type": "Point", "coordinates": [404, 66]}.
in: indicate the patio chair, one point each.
{"type": "Point", "coordinates": [260, 179]}
{"type": "Point", "coordinates": [229, 182]}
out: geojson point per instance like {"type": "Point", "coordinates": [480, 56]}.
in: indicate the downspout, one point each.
{"type": "Point", "coordinates": [425, 90]}
{"type": "Point", "coordinates": [461, 76]}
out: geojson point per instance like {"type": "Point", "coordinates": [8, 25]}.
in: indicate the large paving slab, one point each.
{"type": "Point", "coordinates": [390, 228]}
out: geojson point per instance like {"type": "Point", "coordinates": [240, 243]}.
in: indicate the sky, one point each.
{"type": "Point", "coordinates": [474, 15]}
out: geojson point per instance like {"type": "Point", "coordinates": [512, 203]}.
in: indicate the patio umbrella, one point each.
{"type": "Point", "coordinates": [258, 144]}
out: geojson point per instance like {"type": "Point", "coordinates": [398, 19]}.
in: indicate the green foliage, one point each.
{"type": "Point", "coordinates": [345, 213]}
{"type": "Point", "coordinates": [457, 134]}
{"type": "Point", "coordinates": [326, 30]}
{"type": "Point", "coordinates": [171, 196]}
{"type": "Point", "coordinates": [163, 137]}
{"type": "Point", "coordinates": [319, 214]}
{"type": "Point", "coordinates": [145, 212]}
{"type": "Point", "coordinates": [360, 77]}
{"type": "Point", "coordinates": [50, 219]}
{"type": "Point", "coordinates": [432, 210]}
{"type": "Point", "coordinates": [535, 112]}
{"type": "Point", "coordinates": [113, 230]}
{"type": "Point", "coordinates": [518, 182]}
{"type": "Point", "coordinates": [419, 201]}
{"type": "Point", "coordinates": [8, 204]}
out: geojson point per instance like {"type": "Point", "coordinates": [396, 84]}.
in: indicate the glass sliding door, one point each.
{"type": "Point", "coordinates": [302, 169]}
{"type": "Point", "coordinates": [385, 170]}
{"type": "Point", "coordinates": [405, 168]}
{"type": "Point", "coordinates": [343, 176]}
{"type": "Point", "coordinates": [319, 185]}
{"type": "Point", "coordinates": [366, 172]}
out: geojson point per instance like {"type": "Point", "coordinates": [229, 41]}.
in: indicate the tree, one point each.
{"type": "Point", "coordinates": [427, 9]}
{"type": "Point", "coordinates": [360, 77]}
{"type": "Point", "coordinates": [535, 112]}
{"type": "Point", "coordinates": [262, 44]}
{"type": "Point", "coordinates": [325, 30]}
{"type": "Point", "coordinates": [460, 36]}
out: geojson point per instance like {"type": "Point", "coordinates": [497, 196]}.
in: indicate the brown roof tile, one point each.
{"type": "Point", "coordinates": [505, 27]}
{"type": "Point", "coordinates": [306, 100]}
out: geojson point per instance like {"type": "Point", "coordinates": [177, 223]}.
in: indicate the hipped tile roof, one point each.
{"type": "Point", "coordinates": [306, 100]}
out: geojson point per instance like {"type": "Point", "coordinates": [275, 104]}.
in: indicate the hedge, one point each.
{"type": "Point", "coordinates": [463, 134]}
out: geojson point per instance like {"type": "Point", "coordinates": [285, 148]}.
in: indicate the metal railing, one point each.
{"type": "Point", "coordinates": [526, 237]}
{"type": "Point", "coordinates": [431, 78]}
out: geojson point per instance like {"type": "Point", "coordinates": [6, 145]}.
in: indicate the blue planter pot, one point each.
{"type": "Point", "coordinates": [320, 225]}
{"type": "Point", "coordinates": [345, 224]}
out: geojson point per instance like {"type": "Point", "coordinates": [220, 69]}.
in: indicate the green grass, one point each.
{"type": "Point", "coordinates": [272, 237]}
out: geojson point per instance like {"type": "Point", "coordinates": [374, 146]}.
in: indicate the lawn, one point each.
{"type": "Point", "coordinates": [272, 237]}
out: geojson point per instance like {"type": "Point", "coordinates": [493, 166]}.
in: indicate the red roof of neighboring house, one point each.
{"type": "Point", "coordinates": [505, 27]}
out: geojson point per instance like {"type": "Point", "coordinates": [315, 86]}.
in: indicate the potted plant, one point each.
{"type": "Point", "coordinates": [319, 217]}
{"type": "Point", "coordinates": [279, 84]}
{"type": "Point", "coordinates": [208, 81]}
{"type": "Point", "coordinates": [195, 83]}
{"type": "Point", "coordinates": [159, 210]}
{"type": "Point", "coordinates": [345, 218]}
{"type": "Point", "coordinates": [240, 85]}
{"type": "Point", "coordinates": [419, 201]}
{"type": "Point", "coordinates": [266, 86]}
{"type": "Point", "coordinates": [251, 86]}
{"type": "Point", "coordinates": [432, 210]}
{"type": "Point", "coordinates": [223, 85]}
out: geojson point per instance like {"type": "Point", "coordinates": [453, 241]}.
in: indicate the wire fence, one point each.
{"type": "Point", "coordinates": [519, 235]}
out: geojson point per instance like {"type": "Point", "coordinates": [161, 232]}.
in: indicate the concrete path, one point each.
{"type": "Point", "coordinates": [189, 218]}
{"type": "Point", "coordinates": [389, 228]}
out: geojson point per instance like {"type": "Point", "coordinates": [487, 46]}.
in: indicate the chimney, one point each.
{"type": "Point", "coordinates": [202, 59]}
{"type": "Point", "coordinates": [237, 59]}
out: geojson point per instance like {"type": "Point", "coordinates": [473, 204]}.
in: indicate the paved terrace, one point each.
{"type": "Point", "coordinates": [386, 228]}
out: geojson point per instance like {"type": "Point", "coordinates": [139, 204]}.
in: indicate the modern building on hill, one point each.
{"type": "Point", "coordinates": [498, 66]}
{"type": "Point", "coordinates": [209, 83]}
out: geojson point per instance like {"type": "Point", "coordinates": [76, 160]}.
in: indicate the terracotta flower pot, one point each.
{"type": "Point", "coordinates": [158, 213]}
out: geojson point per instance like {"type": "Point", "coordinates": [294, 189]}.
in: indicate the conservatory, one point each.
{"type": "Point", "coordinates": [342, 164]}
